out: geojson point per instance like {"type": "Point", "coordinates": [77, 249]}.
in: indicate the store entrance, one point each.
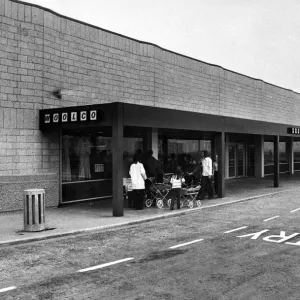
{"type": "Point", "coordinates": [236, 160]}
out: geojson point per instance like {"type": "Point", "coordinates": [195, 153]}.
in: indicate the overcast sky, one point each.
{"type": "Point", "coordinates": [258, 38]}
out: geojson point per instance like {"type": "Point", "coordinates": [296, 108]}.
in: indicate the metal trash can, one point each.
{"type": "Point", "coordinates": [34, 210]}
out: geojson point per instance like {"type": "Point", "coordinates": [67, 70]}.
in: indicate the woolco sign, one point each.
{"type": "Point", "coordinates": [70, 117]}
{"type": "Point", "coordinates": [50, 118]}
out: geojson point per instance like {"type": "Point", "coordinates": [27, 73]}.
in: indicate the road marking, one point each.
{"type": "Point", "coordinates": [266, 220]}
{"type": "Point", "coordinates": [106, 265]}
{"type": "Point", "coordinates": [295, 209]}
{"type": "Point", "coordinates": [236, 229]}
{"type": "Point", "coordinates": [8, 289]}
{"type": "Point", "coordinates": [188, 243]}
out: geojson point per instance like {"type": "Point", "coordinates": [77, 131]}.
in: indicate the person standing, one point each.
{"type": "Point", "coordinates": [206, 177]}
{"type": "Point", "coordinates": [197, 171]}
{"type": "Point", "coordinates": [176, 181]}
{"type": "Point", "coordinates": [215, 173]}
{"type": "Point", "coordinates": [153, 167]}
{"type": "Point", "coordinates": [138, 177]}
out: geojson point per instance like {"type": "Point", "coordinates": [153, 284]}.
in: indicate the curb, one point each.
{"type": "Point", "coordinates": [144, 220]}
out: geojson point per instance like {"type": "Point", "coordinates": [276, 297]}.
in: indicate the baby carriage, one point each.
{"type": "Point", "coordinates": [156, 193]}
{"type": "Point", "coordinates": [188, 196]}
{"type": "Point", "coordinates": [189, 193]}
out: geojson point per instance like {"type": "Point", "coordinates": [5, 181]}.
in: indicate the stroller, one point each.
{"type": "Point", "coordinates": [156, 193]}
{"type": "Point", "coordinates": [188, 196]}
{"type": "Point", "coordinates": [189, 192]}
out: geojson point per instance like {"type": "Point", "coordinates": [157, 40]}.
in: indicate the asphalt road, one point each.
{"type": "Point", "coordinates": [247, 250]}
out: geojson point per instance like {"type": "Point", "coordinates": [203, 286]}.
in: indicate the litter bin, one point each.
{"type": "Point", "coordinates": [34, 210]}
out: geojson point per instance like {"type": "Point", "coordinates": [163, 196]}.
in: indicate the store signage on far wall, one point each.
{"type": "Point", "coordinates": [294, 130]}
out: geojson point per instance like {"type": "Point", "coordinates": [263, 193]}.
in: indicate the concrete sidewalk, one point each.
{"type": "Point", "coordinates": [97, 215]}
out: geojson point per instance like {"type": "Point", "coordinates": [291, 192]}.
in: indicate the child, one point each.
{"type": "Point", "coordinates": [176, 182]}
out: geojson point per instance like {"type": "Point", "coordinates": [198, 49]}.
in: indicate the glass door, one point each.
{"type": "Point", "coordinates": [236, 160]}
{"type": "Point", "coordinates": [251, 160]}
{"type": "Point", "coordinates": [240, 160]}
{"type": "Point", "coordinates": [232, 160]}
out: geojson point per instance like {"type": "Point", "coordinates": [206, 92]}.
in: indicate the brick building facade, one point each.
{"type": "Point", "coordinates": [42, 52]}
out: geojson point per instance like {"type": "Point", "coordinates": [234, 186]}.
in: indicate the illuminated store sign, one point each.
{"type": "Point", "coordinates": [293, 130]}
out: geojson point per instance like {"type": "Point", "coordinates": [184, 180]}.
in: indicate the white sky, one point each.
{"type": "Point", "coordinates": [258, 38]}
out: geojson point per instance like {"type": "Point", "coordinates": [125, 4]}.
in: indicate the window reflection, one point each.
{"type": "Point", "coordinates": [269, 153]}
{"type": "Point", "coordinates": [296, 151]}
{"type": "Point", "coordinates": [84, 158]}
{"type": "Point", "coordinates": [184, 153]}
{"type": "Point", "coordinates": [89, 157]}
{"type": "Point", "coordinates": [282, 153]}
{"type": "Point", "coordinates": [131, 145]}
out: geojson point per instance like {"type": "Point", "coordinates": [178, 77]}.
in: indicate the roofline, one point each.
{"type": "Point", "coordinates": [111, 105]}
{"type": "Point", "coordinates": [146, 43]}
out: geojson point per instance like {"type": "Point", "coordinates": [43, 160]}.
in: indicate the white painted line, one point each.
{"type": "Point", "coordinates": [8, 289]}
{"type": "Point", "coordinates": [106, 265]}
{"type": "Point", "coordinates": [266, 220]}
{"type": "Point", "coordinates": [236, 229]}
{"type": "Point", "coordinates": [295, 209]}
{"type": "Point", "coordinates": [188, 243]}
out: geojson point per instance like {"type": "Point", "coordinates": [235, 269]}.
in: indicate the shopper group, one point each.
{"type": "Point", "coordinates": [203, 170]}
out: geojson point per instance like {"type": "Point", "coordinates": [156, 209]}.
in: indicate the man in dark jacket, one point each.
{"type": "Point", "coordinates": [196, 172]}
{"type": "Point", "coordinates": [153, 167]}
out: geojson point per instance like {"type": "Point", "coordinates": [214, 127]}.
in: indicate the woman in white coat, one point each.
{"type": "Point", "coordinates": [138, 177]}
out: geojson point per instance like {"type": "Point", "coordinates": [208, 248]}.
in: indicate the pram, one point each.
{"type": "Point", "coordinates": [189, 192]}
{"type": "Point", "coordinates": [188, 196]}
{"type": "Point", "coordinates": [156, 193]}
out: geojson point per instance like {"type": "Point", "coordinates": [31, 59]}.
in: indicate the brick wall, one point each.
{"type": "Point", "coordinates": [41, 51]}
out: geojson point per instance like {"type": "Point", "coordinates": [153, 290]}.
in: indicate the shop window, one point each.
{"type": "Point", "coordinates": [131, 145]}
{"type": "Point", "coordinates": [282, 153]}
{"type": "Point", "coordinates": [86, 159]}
{"type": "Point", "coordinates": [205, 145]}
{"type": "Point", "coordinates": [184, 152]}
{"type": "Point", "coordinates": [183, 146]}
{"type": "Point", "coordinates": [269, 153]}
{"type": "Point", "coordinates": [296, 152]}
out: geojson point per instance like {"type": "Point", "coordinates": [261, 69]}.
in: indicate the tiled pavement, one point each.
{"type": "Point", "coordinates": [97, 215]}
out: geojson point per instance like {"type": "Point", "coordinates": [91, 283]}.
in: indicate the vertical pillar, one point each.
{"type": "Point", "coordinates": [259, 156]}
{"type": "Point", "coordinates": [276, 161]}
{"type": "Point", "coordinates": [226, 168]}
{"type": "Point", "coordinates": [291, 154]}
{"type": "Point", "coordinates": [220, 149]}
{"type": "Point", "coordinates": [60, 166]}
{"type": "Point", "coordinates": [117, 158]}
